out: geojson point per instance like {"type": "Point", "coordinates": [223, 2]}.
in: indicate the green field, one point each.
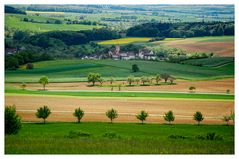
{"type": "Point", "coordinates": [210, 62]}
{"type": "Point", "coordinates": [77, 70]}
{"type": "Point", "coordinates": [15, 21]}
{"type": "Point", "coordinates": [14, 91]}
{"type": "Point", "coordinates": [123, 41]}
{"type": "Point", "coordinates": [119, 138]}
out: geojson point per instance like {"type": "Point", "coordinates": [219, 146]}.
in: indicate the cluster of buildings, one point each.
{"type": "Point", "coordinates": [145, 54]}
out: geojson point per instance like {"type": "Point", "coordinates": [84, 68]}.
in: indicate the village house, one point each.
{"type": "Point", "coordinates": [146, 54]}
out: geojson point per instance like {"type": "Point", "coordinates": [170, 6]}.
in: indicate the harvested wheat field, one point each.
{"type": "Point", "coordinates": [95, 108]}
{"type": "Point", "coordinates": [213, 86]}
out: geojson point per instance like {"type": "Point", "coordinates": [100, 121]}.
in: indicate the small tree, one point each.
{"type": "Point", "coordinates": [165, 76]}
{"type": "Point", "coordinates": [226, 118]}
{"type": "Point", "coordinates": [43, 112]}
{"type": "Point", "coordinates": [112, 80]}
{"type": "Point", "coordinates": [130, 80]}
{"type": "Point", "coordinates": [192, 88]}
{"type": "Point", "coordinates": [151, 80]}
{"type": "Point", "coordinates": [144, 80]}
{"type": "Point", "coordinates": [157, 79]}
{"type": "Point", "coordinates": [135, 68]}
{"type": "Point", "coordinates": [29, 66]}
{"type": "Point", "coordinates": [171, 79]}
{"type": "Point", "coordinates": [44, 81]}
{"type": "Point", "coordinates": [112, 114]}
{"type": "Point", "coordinates": [228, 91]}
{"type": "Point", "coordinates": [137, 80]}
{"type": "Point", "coordinates": [93, 77]}
{"type": "Point", "coordinates": [12, 120]}
{"type": "Point", "coordinates": [79, 114]}
{"type": "Point", "coordinates": [23, 86]}
{"type": "Point", "coordinates": [169, 116]}
{"type": "Point", "coordinates": [198, 117]}
{"type": "Point", "coordinates": [142, 116]}
{"type": "Point", "coordinates": [119, 87]}
{"type": "Point", "coordinates": [101, 80]}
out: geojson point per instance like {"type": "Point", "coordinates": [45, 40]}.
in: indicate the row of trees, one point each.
{"type": "Point", "coordinates": [13, 121]}
{"type": "Point", "coordinates": [182, 30]}
{"type": "Point", "coordinates": [96, 77]}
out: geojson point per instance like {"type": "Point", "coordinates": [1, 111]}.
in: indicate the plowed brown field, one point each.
{"type": "Point", "coordinates": [219, 48]}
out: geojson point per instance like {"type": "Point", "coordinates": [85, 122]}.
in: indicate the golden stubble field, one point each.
{"type": "Point", "coordinates": [95, 108]}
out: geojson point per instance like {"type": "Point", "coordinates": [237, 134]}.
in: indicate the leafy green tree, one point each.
{"type": "Point", "coordinates": [171, 79]}
{"type": "Point", "coordinates": [101, 80]}
{"type": "Point", "coordinates": [144, 80]}
{"type": "Point", "coordinates": [169, 116]}
{"type": "Point", "coordinates": [130, 80]}
{"type": "Point", "coordinates": [198, 117]}
{"type": "Point", "coordinates": [157, 79]}
{"type": "Point", "coordinates": [112, 114]}
{"type": "Point", "coordinates": [44, 81]}
{"type": "Point", "coordinates": [12, 120]}
{"type": "Point", "coordinates": [135, 68]}
{"type": "Point", "coordinates": [142, 116]}
{"type": "Point", "coordinates": [151, 80]}
{"type": "Point", "coordinates": [137, 80]}
{"type": "Point", "coordinates": [29, 66]}
{"type": "Point", "coordinates": [112, 80]}
{"type": "Point", "coordinates": [23, 86]}
{"type": "Point", "coordinates": [165, 76]}
{"type": "Point", "coordinates": [93, 77]}
{"type": "Point", "coordinates": [79, 113]}
{"type": "Point", "coordinates": [43, 112]}
{"type": "Point", "coordinates": [226, 118]}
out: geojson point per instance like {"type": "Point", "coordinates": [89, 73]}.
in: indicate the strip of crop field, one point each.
{"type": "Point", "coordinates": [125, 94]}
{"type": "Point", "coordinates": [123, 41]}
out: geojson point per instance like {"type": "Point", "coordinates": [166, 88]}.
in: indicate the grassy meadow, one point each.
{"type": "Point", "coordinates": [77, 70]}
{"type": "Point", "coordinates": [14, 91]}
{"type": "Point", "coordinates": [15, 21]}
{"type": "Point", "coordinates": [120, 138]}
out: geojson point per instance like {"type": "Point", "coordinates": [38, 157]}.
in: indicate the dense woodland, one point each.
{"type": "Point", "coordinates": [182, 30]}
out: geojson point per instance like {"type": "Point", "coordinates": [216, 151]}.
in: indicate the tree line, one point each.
{"type": "Point", "coordinates": [182, 30]}
{"type": "Point", "coordinates": [13, 121]}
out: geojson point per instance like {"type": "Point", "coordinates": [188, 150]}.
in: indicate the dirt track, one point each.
{"type": "Point", "coordinates": [214, 86]}
{"type": "Point", "coordinates": [95, 108]}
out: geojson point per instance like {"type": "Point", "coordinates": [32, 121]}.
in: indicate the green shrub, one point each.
{"type": "Point", "coordinates": [75, 134]}
{"type": "Point", "coordinates": [111, 135]}
{"type": "Point", "coordinates": [12, 120]}
{"type": "Point", "coordinates": [176, 137]}
{"type": "Point", "coordinates": [209, 136]}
